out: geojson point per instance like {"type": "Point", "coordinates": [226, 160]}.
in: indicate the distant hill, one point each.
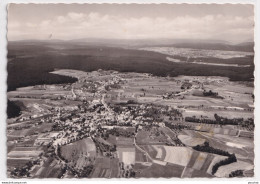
{"type": "Point", "coordinates": [180, 43]}
{"type": "Point", "coordinates": [138, 43]}
{"type": "Point", "coordinates": [246, 47]}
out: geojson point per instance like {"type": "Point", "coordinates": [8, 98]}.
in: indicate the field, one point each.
{"type": "Point", "coordinates": [150, 150]}
{"type": "Point", "coordinates": [32, 130]}
{"type": "Point", "coordinates": [224, 171]}
{"type": "Point", "coordinates": [124, 141]}
{"type": "Point", "coordinates": [18, 154]}
{"type": "Point", "coordinates": [190, 141]}
{"type": "Point", "coordinates": [105, 168]}
{"type": "Point", "coordinates": [177, 155]}
{"type": "Point", "coordinates": [126, 155]}
{"type": "Point", "coordinates": [214, 161]}
{"type": "Point", "coordinates": [157, 171]}
{"type": "Point", "coordinates": [17, 162]}
{"type": "Point", "coordinates": [200, 174]}
{"type": "Point", "coordinates": [50, 169]}
{"type": "Point", "coordinates": [140, 156]}
{"type": "Point", "coordinates": [242, 147]}
{"type": "Point", "coordinates": [197, 164]}
{"type": "Point", "coordinates": [237, 100]}
{"type": "Point", "coordinates": [201, 163]}
{"type": "Point", "coordinates": [161, 152]}
{"type": "Point", "coordinates": [112, 139]}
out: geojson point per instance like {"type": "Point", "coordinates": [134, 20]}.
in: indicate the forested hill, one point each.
{"type": "Point", "coordinates": [245, 47]}
{"type": "Point", "coordinates": [180, 43]}
{"type": "Point", "coordinates": [30, 63]}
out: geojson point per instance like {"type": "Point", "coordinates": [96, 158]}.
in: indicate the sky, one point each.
{"type": "Point", "coordinates": [228, 22]}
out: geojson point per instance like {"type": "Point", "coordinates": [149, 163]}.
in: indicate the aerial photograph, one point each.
{"type": "Point", "coordinates": [130, 91]}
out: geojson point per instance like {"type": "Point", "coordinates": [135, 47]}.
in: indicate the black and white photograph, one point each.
{"type": "Point", "coordinates": [130, 91]}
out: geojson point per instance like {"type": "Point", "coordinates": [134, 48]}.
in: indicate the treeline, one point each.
{"type": "Point", "coordinates": [118, 132]}
{"type": "Point", "coordinates": [221, 121]}
{"type": "Point", "coordinates": [193, 119]}
{"type": "Point", "coordinates": [186, 85]}
{"type": "Point", "coordinates": [235, 121]}
{"type": "Point", "coordinates": [237, 173]}
{"type": "Point", "coordinates": [177, 126]}
{"type": "Point", "coordinates": [211, 94]}
{"type": "Point", "coordinates": [207, 148]}
{"type": "Point", "coordinates": [232, 158]}
{"type": "Point", "coordinates": [59, 154]}
{"type": "Point", "coordinates": [224, 120]}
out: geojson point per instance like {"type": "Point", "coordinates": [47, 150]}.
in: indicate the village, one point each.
{"type": "Point", "coordinates": [109, 125]}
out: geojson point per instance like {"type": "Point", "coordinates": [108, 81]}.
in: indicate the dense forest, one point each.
{"type": "Point", "coordinates": [31, 63]}
{"type": "Point", "coordinates": [13, 110]}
